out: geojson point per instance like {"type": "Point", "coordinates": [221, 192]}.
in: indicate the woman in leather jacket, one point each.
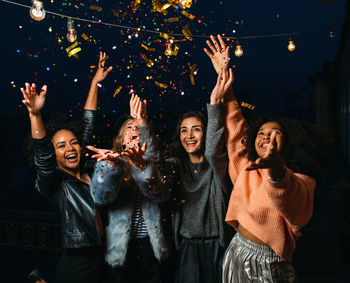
{"type": "Point", "coordinates": [62, 177]}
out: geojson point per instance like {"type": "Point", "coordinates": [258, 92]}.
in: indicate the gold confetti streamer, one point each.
{"type": "Point", "coordinates": [170, 20]}
{"type": "Point", "coordinates": [188, 15]}
{"type": "Point", "coordinates": [117, 91]}
{"type": "Point", "coordinates": [149, 62]}
{"type": "Point", "coordinates": [162, 85]}
{"type": "Point", "coordinates": [96, 8]}
{"type": "Point", "coordinates": [186, 31]}
{"type": "Point", "coordinates": [166, 36]}
{"type": "Point", "coordinates": [192, 69]}
{"type": "Point", "coordinates": [151, 49]}
{"type": "Point", "coordinates": [247, 105]}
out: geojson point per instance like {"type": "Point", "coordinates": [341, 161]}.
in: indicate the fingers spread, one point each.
{"type": "Point", "coordinates": [222, 43]}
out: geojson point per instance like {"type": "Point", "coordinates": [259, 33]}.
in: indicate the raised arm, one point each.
{"type": "Point", "coordinates": [101, 74]}
{"type": "Point", "coordinates": [215, 150]}
{"type": "Point", "coordinates": [44, 156]}
{"type": "Point", "coordinates": [34, 103]}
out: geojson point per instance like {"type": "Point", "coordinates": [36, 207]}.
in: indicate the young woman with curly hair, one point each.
{"type": "Point", "coordinates": [272, 164]}
{"type": "Point", "coordinates": [63, 177]}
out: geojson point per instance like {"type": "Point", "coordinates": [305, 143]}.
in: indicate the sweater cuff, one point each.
{"type": "Point", "coordinates": [282, 183]}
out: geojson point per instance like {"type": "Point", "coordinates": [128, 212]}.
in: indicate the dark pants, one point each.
{"type": "Point", "coordinates": [199, 261]}
{"type": "Point", "coordinates": [140, 266]}
{"type": "Point", "coordinates": [80, 265]}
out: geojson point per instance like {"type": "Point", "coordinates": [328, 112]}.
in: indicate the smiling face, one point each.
{"type": "Point", "coordinates": [191, 136]}
{"type": "Point", "coordinates": [262, 139]}
{"type": "Point", "coordinates": [67, 150]}
{"type": "Point", "coordinates": [131, 136]}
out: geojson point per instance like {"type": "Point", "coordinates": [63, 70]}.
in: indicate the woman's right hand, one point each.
{"type": "Point", "coordinates": [138, 109]}
{"type": "Point", "coordinates": [104, 154]}
{"type": "Point", "coordinates": [32, 100]}
{"type": "Point", "coordinates": [218, 53]}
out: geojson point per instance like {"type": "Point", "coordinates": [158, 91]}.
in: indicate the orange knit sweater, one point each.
{"type": "Point", "coordinates": [272, 211]}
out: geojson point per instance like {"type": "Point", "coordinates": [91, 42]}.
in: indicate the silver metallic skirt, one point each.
{"type": "Point", "coordinates": [246, 261]}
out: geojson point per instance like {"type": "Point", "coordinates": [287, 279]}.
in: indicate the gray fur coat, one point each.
{"type": "Point", "coordinates": [109, 187]}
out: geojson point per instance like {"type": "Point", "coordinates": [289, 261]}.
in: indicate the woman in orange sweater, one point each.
{"type": "Point", "coordinates": [273, 192]}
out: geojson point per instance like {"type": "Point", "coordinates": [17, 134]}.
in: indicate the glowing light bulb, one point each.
{"type": "Point", "coordinates": [71, 34]}
{"type": "Point", "coordinates": [238, 50]}
{"type": "Point", "coordinates": [185, 3]}
{"type": "Point", "coordinates": [37, 11]}
{"type": "Point", "coordinates": [291, 45]}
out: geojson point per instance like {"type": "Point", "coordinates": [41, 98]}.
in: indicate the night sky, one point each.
{"type": "Point", "coordinates": [267, 71]}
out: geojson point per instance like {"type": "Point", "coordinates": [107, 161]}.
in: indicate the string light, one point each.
{"type": "Point", "coordinates": [238, 50]}
{"type": "Point", "coordinates": [291, 45]}
{"type": "Point", "coordinates": [37, 11]}
{"type": "Point", "coordinates": [71, 34]}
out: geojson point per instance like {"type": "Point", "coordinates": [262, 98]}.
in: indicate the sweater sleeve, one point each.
{"type": "Point", "coordinates": [293, 198]}
{"type": "Point", "coordinates": [151, 182]}
{"type": "Point", "coordinates": [215, 150]}
{"type": "Point", "coordinates": [106, 182]}
{"type": "Point", "coordinates": [236, 127]}
{"type": "Point", "coordinates": [47, 175]}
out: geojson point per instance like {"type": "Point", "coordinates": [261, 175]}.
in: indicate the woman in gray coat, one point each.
{"type": "Point", "coordinates": [126, 180]}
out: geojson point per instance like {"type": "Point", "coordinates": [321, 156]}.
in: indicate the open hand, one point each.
{"type": "Point", "coordinates": [102, 71]}
{"type": "Point", "coordinates": [135, 155]}
{"type": "Point", "coordinates": [271, 159]}
{"type": "Point", "coordinates": [34, 101]}
{"type": "Point", "coordinates": [138, 109]}
{"type": "Point", "coordinates": [219, 54]}
{"type": "Point", "coordinates": [104, 154]}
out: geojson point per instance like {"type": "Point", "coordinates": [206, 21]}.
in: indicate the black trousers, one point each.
{"type": "Point", "coordinates": [81, 265]}
{"type": "Point", "coordinates": [141, 266]}
{"type": "Point", "coordinates": [199, 261]}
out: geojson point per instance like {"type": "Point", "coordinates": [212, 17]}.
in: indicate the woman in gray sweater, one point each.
{"type": "Point", "coordinates": [198, 169]}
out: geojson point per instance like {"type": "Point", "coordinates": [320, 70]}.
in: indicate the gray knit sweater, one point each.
{"type": "Point", "coordinates": [202, 190]}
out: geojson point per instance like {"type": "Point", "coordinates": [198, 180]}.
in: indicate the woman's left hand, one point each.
{"type": "Point", "coordinates": [271, 160]}
{"type": "Point", "coordinates": [135, 155]}
{"type": "Point", "coordinates": [102, 71]}
{"type": "Point", "coordinates": [104, 154]}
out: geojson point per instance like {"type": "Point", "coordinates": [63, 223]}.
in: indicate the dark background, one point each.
{"type": "Point", "coordinates": [267, 76]}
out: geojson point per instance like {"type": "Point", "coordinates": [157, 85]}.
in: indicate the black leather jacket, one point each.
{"type": "Point", "coordinates": [71, 197]}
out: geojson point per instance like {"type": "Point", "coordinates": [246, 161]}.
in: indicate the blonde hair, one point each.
{"type": "Point", "coordinates": [118, 139]}
{"type": "Point", "coordinates": [118, 147]}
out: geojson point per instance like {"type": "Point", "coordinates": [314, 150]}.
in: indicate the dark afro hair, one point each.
{"type": "Point", "coordinates": [306, 146]}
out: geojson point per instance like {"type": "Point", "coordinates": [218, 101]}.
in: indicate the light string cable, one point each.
{"type": "Point", "coordinates": [151, 31]}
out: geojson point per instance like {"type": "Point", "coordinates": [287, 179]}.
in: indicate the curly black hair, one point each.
{"type": "Point", "coordinates": [306, 146]}
{"type": "Point", "coordinates": [59, 121]}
